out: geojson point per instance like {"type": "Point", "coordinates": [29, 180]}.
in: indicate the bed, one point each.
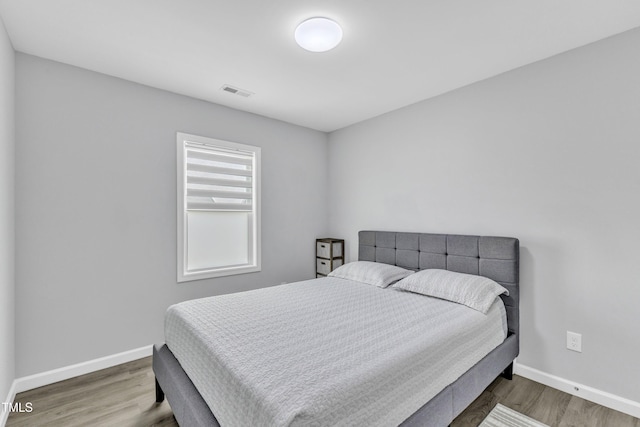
{"type": "Point", "coordinates": [494, 257]}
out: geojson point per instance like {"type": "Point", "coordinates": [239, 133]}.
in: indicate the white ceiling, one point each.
{"type": "Point", "coordinates": [394, 53]}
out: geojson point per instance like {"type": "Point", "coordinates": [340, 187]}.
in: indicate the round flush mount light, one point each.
{"type": "Point", "coordinates": [318, 34]}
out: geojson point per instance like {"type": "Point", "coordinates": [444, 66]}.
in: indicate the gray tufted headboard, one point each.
{"type": "Point", "coordinates": [497, 258]}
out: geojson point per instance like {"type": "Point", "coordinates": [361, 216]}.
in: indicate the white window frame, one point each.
{"type": "Point", "coordinates": [255, 264]}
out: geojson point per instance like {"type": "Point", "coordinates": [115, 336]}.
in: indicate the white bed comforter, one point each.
{"type": "Point", "coordinates": [326, 352]}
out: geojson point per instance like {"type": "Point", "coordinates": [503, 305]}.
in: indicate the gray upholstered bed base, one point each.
{"type": "Point", "coordinates": [494, 257]}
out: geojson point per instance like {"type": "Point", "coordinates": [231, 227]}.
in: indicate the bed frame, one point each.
{"type": "Point", "coordinates": [497, 258]}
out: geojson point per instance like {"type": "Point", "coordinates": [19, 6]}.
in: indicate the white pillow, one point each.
{"type": "Point", "coordinates": [473, 291]}
{"type": "Point", "coordinates": [372, 273]}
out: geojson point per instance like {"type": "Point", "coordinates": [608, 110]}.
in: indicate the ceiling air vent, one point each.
{"type": "Point", "coordinates": [236, 91]}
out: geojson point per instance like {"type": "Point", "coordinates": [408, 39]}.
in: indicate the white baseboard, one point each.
{"type": "Point", "coordinates": [600, 397]}
{"type": "Point", "coordinates": [4, 415]}
{"type": "Point", "coordinates": [45, 378]}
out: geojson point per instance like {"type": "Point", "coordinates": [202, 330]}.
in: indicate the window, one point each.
{"type": "Point", "coordinates": [218, 208]}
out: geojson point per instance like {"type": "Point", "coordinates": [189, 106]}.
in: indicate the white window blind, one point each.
{"type": "Point", "coordinates": [218, 208]}
{"type": "Point", "coordinates": [219, 180]}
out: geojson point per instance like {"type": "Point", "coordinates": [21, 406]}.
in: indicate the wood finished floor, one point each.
{"type": "Point", "coordinates": [124, 396]}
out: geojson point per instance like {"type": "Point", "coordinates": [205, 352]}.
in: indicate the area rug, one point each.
{"type": "Point", "coordinates": [501, 416]}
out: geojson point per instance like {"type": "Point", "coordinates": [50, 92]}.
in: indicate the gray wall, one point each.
{"type": "Point", "coordinates": [96, 209]}
{"type": "Point", "coordinates": [7, 247]}
{"type": "Point", "coordinates": [548, 153]}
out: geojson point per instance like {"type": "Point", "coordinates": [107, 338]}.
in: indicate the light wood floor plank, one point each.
{"type": "Point", "coordinates": [120, 396]}
{"type": "Point", "coordinates": [522, 396]}
{"type": "Point", "coordinates": [582, 413]}
{"type": "Point", "coordinates": [550, 406]}
{"type": "Point", "coordinates": [124, 396]}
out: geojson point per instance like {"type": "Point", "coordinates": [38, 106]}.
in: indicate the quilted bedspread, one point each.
{"type": "Point", "coordinates": [326, 352]}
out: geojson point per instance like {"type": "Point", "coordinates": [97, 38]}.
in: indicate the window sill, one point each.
{"type": "Point", "coordinates": [219, 272]}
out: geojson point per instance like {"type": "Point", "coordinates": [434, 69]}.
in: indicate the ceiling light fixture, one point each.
{"type": "Point", "coordinates": [318, 34]}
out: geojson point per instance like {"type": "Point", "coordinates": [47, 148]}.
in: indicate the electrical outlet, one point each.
{"type": "Point", "coordinates": [574, 341]}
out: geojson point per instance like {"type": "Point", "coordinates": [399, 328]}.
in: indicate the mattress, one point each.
{"type": "Point", "coordinates": [326, 351]}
